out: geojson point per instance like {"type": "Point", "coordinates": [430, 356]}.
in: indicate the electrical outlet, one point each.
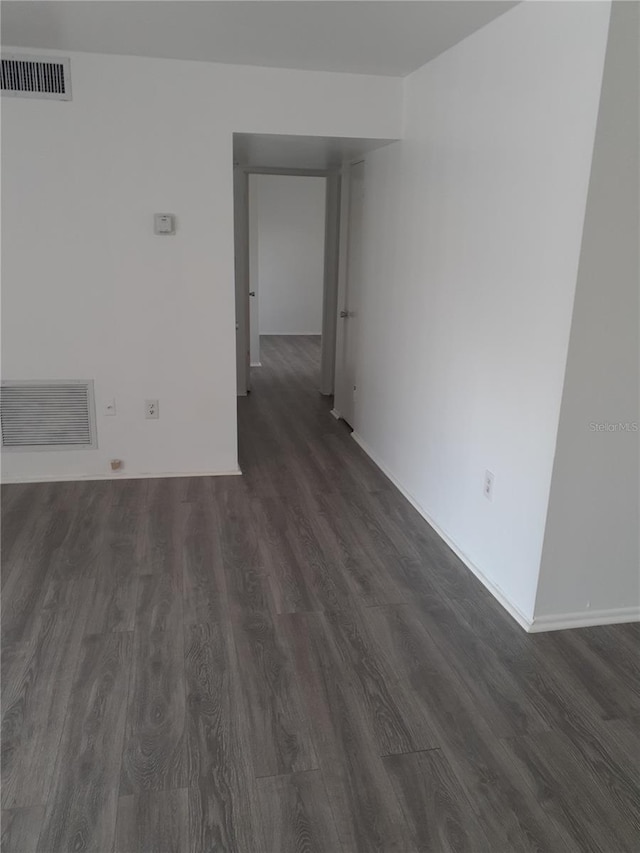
{"type": "Point", "coordinates": [488, 485]}
{"type": "Point", "coordinates": [151, 410]}
{"type": "Point", "coordinates": [110, 407]}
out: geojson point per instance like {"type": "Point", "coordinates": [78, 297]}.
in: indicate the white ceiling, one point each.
{"type": "Point", "coordinates": [363, 37]}
{"type": "Point", "coordinates": [299, 152]}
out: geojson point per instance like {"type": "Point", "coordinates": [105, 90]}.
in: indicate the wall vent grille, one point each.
{"type": "Point", "coordinates": [36, 77]}
{"type": "Point", "coordinates": [48, 415]}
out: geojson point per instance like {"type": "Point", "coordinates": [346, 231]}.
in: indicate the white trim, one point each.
{"type": "Point", "coordinates": [497, 593]}
{"type": "Point", "coordinates": [283, 170]}
{"type": "Point", "coordinates": [336, 414]}
{"type": "Point", "coordinates": [256, 364]}
{"type": "Point", "coordinates": [292, 334]}
{"type": "Point", "coordinates": [63, 478]}
{"type": "Point", "coordinates": [584, 619]}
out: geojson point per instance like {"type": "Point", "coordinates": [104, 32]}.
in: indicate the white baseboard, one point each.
{"type": "Point", "coordinates": [555, 622]}
{"type": "Point", "coordinates": [292, 334]}
{"type": "Point", "coordinates": [497, 593]}
{"type": "Point", "coordinates": [256, 364]}
{"type": "Point", "coordinates": [65, 478]}
{"type": "Point", "coordinates": [336, 414]}
{"type": "Point", "coordinates": [585, 619]}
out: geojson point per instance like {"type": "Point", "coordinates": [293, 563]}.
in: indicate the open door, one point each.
{"type": "Point", "coordinates": [241, 248]}
{"type": "Point", "coordinates": [347, 350]}
{"type": "Point", "coordinates": [330, 292]}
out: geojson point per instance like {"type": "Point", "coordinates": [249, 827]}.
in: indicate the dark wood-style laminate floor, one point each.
{"type": "Point", "coordinates": [292, 661]}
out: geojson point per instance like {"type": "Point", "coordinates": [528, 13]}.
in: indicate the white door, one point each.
{"type": "Point", "coordinates": [348, 318]}
{"type": "Point", "coordinates": [254, 319]}
{"type": "Point", "coordinates": [241, 249]}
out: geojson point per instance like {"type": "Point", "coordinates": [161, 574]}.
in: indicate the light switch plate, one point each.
{"type": "Point", "coordinates": [164, 223]}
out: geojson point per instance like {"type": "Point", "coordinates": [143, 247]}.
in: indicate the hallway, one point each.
{"type": "Point", "coordinates": [290, 661]}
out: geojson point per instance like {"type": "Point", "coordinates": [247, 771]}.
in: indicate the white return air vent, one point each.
{"type": "Point", "coordinates": [48, 415]}
{"type": "Point", "coordinates": [36, 76]}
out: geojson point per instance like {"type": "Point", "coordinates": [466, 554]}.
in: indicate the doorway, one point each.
{"type": "Point", "coordinates": [333, 158]}
{"type": "Point", "coordinates": [272, 285]}
{"type": "Point", "coordinates": [286, 258]}
{"type": "Point", "coordinates": [349, 292]}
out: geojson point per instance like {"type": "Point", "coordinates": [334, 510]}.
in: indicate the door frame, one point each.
{"type": "Point", "coordinates": [332, 233]}
{"type": "Point", "coordinates": [343, 283]}
{"type": "Point", "coordinates": [241, 271]}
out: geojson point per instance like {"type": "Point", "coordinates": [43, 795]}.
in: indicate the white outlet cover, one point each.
{"type": "Point", "coordinates": [151, 410]}
{"type": "Point", "coordinates": [488, 485]}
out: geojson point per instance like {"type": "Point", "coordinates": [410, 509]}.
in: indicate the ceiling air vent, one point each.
{"type": "Point", "coordinates": [36, 77]}
{"type": "Point", "coordinates": [48, 415]}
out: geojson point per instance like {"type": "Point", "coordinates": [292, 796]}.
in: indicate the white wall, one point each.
{"type": "Point", "coordinates": [590, 564]}
{"type": "Point", "coordinates": [90, 292]}
{"type": "Point", "coordinates": [289, 233]}
{"type": "Point", "coordinates": [472, 236]}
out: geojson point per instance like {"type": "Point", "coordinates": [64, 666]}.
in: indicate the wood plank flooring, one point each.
{"type": "Point", "coordinates": [292, 661]}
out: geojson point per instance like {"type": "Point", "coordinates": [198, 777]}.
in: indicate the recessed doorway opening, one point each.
{"type": "Point", "coordinates": [292, 222]}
